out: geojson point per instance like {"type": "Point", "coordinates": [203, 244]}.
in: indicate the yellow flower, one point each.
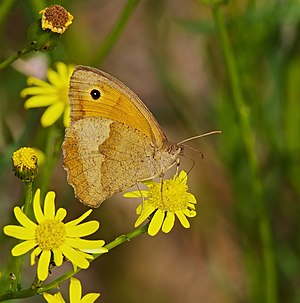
{"type": "Point", "coordinates": [25, 164]}
{"type": "Point", "coordinates": [56, 18]}
{"type": "Point", "coordinates": [165, 200]}
{"type": "Point", "coordinates": [75, 293]}
{"type": "Point", "coordinates": [53, 94]}
{"type": "Point", "coordinates": [52, 239]}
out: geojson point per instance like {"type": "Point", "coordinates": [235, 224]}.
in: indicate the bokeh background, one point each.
{"type": "Point", "coordinates": [243, 245]}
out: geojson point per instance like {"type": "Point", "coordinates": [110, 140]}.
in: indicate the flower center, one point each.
{"type": "Point", "coordinates": [50, 234]}
{"type": "Point", "coordinates": [25, 157]}
{"type": "Point", "coordinates": [56, 18]}
{"type": "Point", "coordinates": [170, 196]}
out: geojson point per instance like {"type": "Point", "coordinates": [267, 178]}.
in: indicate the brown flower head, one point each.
{"type": "Point", "coordinates": [56, 18]}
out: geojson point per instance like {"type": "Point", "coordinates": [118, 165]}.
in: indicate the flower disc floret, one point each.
{"type": "Point", "coordinates": [56, 18]}
{"type": "Point", "coordinates": [25, 163]}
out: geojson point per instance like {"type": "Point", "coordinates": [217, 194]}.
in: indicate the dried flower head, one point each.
{"type": "Point", "coordinates": [56, 18]}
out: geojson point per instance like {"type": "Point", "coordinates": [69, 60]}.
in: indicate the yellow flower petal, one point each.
{"type": "Point", "coordinates": [54, 78]}
{"type": "Point", "coordinates": [60, 214]}
{"type": "Point", "coordinates": [34, 254]}
{"type": "Point", "coordinates": [52, 114]}
{"type": "Point", "coordinates": [74, 256]}
{"type": "Point", "coordinates": [85, 245]}
{"type": "Point", "coordinates": [75, 290]}
{"type": "Point", "coordinates": [43, 265]}
{"type": "Point", "coordinates": [90, 298]}
{"type": "Point", "coordinates": [183, 220]}
{"type": "Point", "coordinates": [192, 198]}
{"type": "Point", "coordinates": [37, 207]}
{"type": "Point", "coordinates": [56, 298]}
{"type": "Point", "coordinates": [78, 220]}
{"type": "Point", "coordinates": [19, 232]}
{"type": "Point", "coordinates": [67, 116]}
{"type": "Point", "coordinates": [65, 71]}
{"type": "Point", "coordinates": [23, 219]}
{"type": "Point", "coordinates": [38, 82]}
{"type": "Point", "coordinates": [146, 212]}
{"type": "Point", "coordinates": [156, 222]}
{"type": "Point", "coordinates": [49, 206]}
{"type": "Point", "coordinates": [168, 222]}
{"type": "Point", "coordinates": [37, 90]}
{"type": "Point", "coordinates": [182, 176]}
{"type": "Point", "coordinates": [83, 229]}
{"type": "Point", "coordinates": [58, 256]}
{"type": "Point", "coordinates": [40, 101]}
{"type": "Point", "coordinates": [23, 248]}
{"type": "Point", "coordinates": [136, 194]}
{"type": "Point", "coordinates": [189, 213]}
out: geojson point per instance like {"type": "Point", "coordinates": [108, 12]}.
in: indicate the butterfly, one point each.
{"type": "Point", "coordinates": [113, 140]}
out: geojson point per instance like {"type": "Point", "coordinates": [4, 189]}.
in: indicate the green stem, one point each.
{"type": "Point", "coordinates": [270, 287]}
{"type": "Point", "coordinates": [114, 34]}
{"type": "Point", "coordinates": [15, 56]}
{"type": "Point", "coordinates": [55, 284]}
{"type": "Point", "coordinates": [17, 262]}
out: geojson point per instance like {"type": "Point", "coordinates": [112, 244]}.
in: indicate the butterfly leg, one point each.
{"type": "Point", "coordinates": [143, 198]}
{"type": "Point", "coordinates": [177, 166]}
{"type": "Point", "coordinates": [162, 188]}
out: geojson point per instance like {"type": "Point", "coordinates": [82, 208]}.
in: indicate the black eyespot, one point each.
{"type": "Point", "coordinates": [95, 93]}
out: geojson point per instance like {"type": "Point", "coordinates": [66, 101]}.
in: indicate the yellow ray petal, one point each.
{"type": "Point", "coordinates": [40, 101]}
{"type": "Point", "coordinates": [19, 232]}
{"type": "Point", "coordinates": [58, 257]}
{"type": "Point", "coordinates": [37, 207]}
{"type": "Point", "coordinates": [23, 219]}
{"type": "Point", "coordinates": [156, 222]}
{"type": "Point", "coordinates": [23, 248]}
{"type": "Point", "coordinates": [136, 194]}
{"type": "Point", "coordinates": [49, 205]}
{"type": "Point", "coordinates": [83, 244]}
{"type": "Point", "coordinates": [43, 265]}
{"type": "Point", "coordinates": [34, 254]}
{"type": "Point", "coordinates": [60, 214]}
{"type": "Point", "coordinates": [52, 114]}
{"type": "Point", "coordinates": [183, 220]}
{"type": "Point", "coordinates": [168, 222]}
{"type": "Point", "coordinates": [78, 220]}
{"type": "Point", "coordinates": [67, 116]}
{"type": "Point", "coordinates": [75, 290]}
{"type": "Point", "coordinates": [74, 256]}
{"type": "Point", "coordinates": [56, 298]}
{"type": "Point", "coordinates": [146, 212]}
{"type": "Point", "coordinates": [83, 229]}
{"type": "Point", "coordinates": [36, 90]}
{"type": "Point", "coordinates": [90, 298]}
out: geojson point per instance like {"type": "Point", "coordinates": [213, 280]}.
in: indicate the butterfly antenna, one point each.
{"type": "Point", "coordinates": [200, 136]}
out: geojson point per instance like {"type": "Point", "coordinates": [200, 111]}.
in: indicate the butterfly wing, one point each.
{"type": "Point", "coordinates": [103, 157]}
{"type": "Point", "coordinates": [113, 141]}
{"type": "Point", "coordinates": [116, 102]}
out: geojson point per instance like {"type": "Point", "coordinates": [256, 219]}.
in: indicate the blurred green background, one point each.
{"type": "Point", "coordinates": [198, 68]}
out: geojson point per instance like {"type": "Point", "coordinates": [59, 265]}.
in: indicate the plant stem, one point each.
{"type": "Point", "coordinates": [114, 34]}
{"type": "Point", "coordinates": [17, 262]}
{"type": "Point", "coordinates": [15, 56]}
{"type": "Point", "coordinates": [55, 284]}
{"type": "Point", "coordinates": [243, 112]}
